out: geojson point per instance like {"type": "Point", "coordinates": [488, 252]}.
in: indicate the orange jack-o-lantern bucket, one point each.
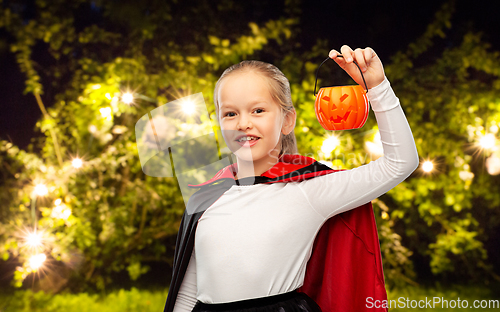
{"type": "Point", "coordinates": [343, 107]}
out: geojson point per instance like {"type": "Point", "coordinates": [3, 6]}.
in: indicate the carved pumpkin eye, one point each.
{"type": "Point", "coordinates": [326, 98]}
{"type": "Point", "coordinates": [342, 108]}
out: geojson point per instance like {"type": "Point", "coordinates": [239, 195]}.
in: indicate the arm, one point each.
{"type": "Point", "coordinates": [186, 298]}
{"type": "Point", "coordinates": [340, 191]}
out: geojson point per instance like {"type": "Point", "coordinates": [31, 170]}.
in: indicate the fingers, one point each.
{"type": "Point", "coordinates": [372, 70]}
{"type": "Point", "coordinates": [369, 53]}
{"type": "Point", "coordinates": [360, 59]}
{"type": "Point", "coordinates": [361, 56]}
{"type": "Point", "coordinates": [333, 54]}
{"type": "Point", "coordinates": [339, 60]}
{"type": "Point", "coordinates": [347, 53]}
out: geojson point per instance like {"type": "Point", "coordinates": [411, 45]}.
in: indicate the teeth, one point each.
{"type": "Point", "coordinates": [247, 139]}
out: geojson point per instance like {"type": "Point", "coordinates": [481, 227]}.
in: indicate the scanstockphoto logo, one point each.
{"type": "Point", "coordinates": [179, 139]}
{"type": "Point", "coordinates": [432, 303]}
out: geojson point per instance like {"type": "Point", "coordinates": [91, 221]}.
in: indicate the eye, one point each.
{"type": "Point", "coordinates": [228, 113]}
{"type": "Point", "coordinates": [258, 109]}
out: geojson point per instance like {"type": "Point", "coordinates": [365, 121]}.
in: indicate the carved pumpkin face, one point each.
{"type": "Point", "coordinates": [341, 108]}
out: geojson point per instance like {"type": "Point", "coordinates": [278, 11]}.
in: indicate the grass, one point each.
{"type": "Point", "coordinates": [135, 300]}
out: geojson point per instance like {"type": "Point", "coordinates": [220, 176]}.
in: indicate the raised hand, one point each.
{"type": "Point", "coordinates": [368, 61]}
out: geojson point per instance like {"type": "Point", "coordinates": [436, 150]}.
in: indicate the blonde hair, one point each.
{"type": "Point", "coordinates": [279, 88]}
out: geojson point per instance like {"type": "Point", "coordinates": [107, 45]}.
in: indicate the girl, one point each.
{"type": "Point", "coordinates": [256, 220]}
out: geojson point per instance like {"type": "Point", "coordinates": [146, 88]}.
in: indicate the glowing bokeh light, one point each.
{"type": "Point", "coordinates": [493, 164]}
{"type": "Point", "coordinates": [106, 112]}
{"type": "Point", "coordinates": [188, 107]}
{"type": "Point", "coordinates": [36, 261]}
{"type": "Point", "coordinates": [487, 141]}
{"type": "Point", "coordinates": [61, 212]}
{"type": "Point", "coordinates": [41, 190]}
{"type": "Point", "coordinates": [466, 175]}
{"type": "Point", "coordinates": [66, 213]}
{"type": "Point", "coordinates": [57, 202]}
{"type": "Point", "coordinates": [385, 215]}
{"type": "Point", "coordinates": [127, 98]}
{"type": "Point", "coordinates": [427, 166]}
{"type": "Point", "coordinates": [330, 144]}
{"type": "Point", "coordinates": [77, 163]}
{"type": "Point", "coordinates": [375, 148]}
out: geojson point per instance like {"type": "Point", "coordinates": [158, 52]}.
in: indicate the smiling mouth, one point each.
{"type": "Point", "coordinates": [248, 143]}
{"type": "Point", "coordinates": [244, 139]}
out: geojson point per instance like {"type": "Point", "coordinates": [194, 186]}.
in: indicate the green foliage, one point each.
{"type": "Point", "coordinates": [451, 103]}
{"type": "Point", "coordinates": [398, 269]}
{"type": "Point", "coordinates": [106, 216]}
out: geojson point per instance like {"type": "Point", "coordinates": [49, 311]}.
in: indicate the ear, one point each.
{"type": "Point", "coordinates": [289, 122]}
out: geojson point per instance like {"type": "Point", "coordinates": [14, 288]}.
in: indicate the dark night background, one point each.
{"type": "Point", "coordinates": [387, 26]}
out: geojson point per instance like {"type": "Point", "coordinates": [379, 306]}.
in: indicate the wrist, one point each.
{"type": "Point", "coordinates": [379, 84]}
{"type": "Point", "coordinates": [382, 97]}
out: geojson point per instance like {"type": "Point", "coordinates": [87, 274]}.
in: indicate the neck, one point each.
{"type": "Point", "coordinates": [256, 168]}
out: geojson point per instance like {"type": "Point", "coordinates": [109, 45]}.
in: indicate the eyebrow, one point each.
{"type": "Point", "coordinates": [262, 101]}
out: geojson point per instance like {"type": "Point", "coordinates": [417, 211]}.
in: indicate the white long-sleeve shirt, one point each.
{"type": "Point", "coordinates": [256, 240]}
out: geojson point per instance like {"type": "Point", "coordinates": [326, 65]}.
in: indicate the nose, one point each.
{"type": "Point", "coordinates": [244, 123]}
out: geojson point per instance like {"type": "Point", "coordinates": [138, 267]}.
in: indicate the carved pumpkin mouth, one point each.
{"type": "Point", "coordinates": [339, 117]}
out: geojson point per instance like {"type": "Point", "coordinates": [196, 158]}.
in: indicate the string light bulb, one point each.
{"type": "Point", "coordinates": [127, 98]}
{"type": "Point", "coordinates": [487, 141]}
{"type": "Point", "coordinates": [428, 166]}
{"type": "Point", "coordinates": [36, 261]}
{"type": "Point", "coordinates": [34, 239]}
{"type": "Point", "coordinates": [188, 107]}
{"type": "Point", "coordinates": [77, 163]}
{"type": "Point", "coordinates": [41, 190]}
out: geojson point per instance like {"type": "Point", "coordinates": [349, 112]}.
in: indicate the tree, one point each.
{"type": "Point", "coordinates": [107, 216]}
{"type": "Point", "coordinates": [81, 57]}
{"type": "Point", "coordinates": [448, 213]}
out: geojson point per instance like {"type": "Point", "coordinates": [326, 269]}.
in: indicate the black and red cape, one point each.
{"type": "Point", "coordinates": [344, 272]}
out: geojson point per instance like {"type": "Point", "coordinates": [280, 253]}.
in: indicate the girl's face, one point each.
{"type": "Point", "coordinates": [247, 108]}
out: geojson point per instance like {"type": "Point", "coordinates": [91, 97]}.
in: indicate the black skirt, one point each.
{"type": "Point", "coordinates": [288, 302]}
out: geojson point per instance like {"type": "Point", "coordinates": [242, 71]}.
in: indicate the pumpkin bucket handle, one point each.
{"type": "Point", "coordinates": [328, 58]}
